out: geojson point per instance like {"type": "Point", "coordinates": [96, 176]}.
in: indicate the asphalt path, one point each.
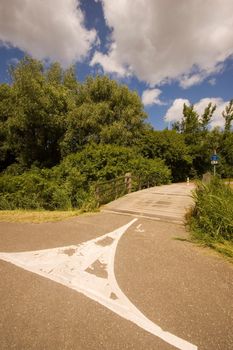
{"type": "Point", "coordinates": [166, 203]}
{"type": "Point", "coordinates": [184, 290]}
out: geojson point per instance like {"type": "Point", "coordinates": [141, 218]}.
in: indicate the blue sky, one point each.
{"type": "Point", "coordinates": [169, 51]}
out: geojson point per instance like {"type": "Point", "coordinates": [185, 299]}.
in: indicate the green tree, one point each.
{"type": "Point", "coordinates": [36, 122]}
{"type": "Point", "coordinates": [105, 112]}
{"type": "Point", "coordinates": [70, 80]}
{"type": "Point", "coordinates": [206, 117]}
{"type": "Point", "coordinates": [55, 73]}
{"type": "Point", "coordinates": [226, 153]}
{"type": "Point", "coordinates": [169, 146]}
{"type": "Point", "coordinates": [6, 154]}
{"type": "Point", "coordinates": [195, 130]}
{"type": "Point", "coordinates": [190, 125]}
{"type": "Point", "coordinates": [228, 116]}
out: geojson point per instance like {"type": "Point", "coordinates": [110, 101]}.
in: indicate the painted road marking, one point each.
{"type": "Point", "coordinates": [139, 229]}
{"type": "Point", "coordinates": [89, 268]}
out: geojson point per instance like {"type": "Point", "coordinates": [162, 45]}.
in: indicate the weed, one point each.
{"type": "Point", "coordinates": [211, 219]}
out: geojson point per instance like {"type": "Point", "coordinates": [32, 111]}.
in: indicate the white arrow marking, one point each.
{"type": "Point", "coordinates": [138, 228]}
{"type": "Point", "coordinates": [89, 268]}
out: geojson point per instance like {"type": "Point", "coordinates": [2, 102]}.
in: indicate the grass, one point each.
{"type": "Point", "coordinates": [225, 248]}
{"type": "Point", "coordinates": [34, 216]}
{"type": "Point", "coordinates": [222, 246]}
{"type": "Point", "coordinates": [228, 182]}
{"type": "Point", "coordinates": [211, 219]}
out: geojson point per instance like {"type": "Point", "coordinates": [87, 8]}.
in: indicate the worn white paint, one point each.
{"type": "Point", "coordinates": [89, 268]}
{"type": "Point", "coordinates": [139, 228]}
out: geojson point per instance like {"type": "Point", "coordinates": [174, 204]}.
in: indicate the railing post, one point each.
{"type": "Point", "coordinates": [139, 183]}
{"type": "Point", "coordinates": [128, 182]}
{"type": "Point", "coordinates": [115, 188]}
{"type": "Point", "coordinates": [97, 195]}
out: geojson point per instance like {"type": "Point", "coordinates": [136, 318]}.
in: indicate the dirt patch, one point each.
{"type": "Point", "coordinates": [105, 242]}
{"type": "Point", "coordinates": [69, 251]}
{"type": "Point", "coordinates": [113, 296]}
{"type": "Point", "coordinates": [98, 269]}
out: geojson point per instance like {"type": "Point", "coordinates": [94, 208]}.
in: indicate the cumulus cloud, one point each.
{"type": "Point", "coordinates": [175, 112]}
{"type": "Point", "coordinates": [164, 40]}
{"type": "Point", "coordinates": [109, 63]}
{"type": "Point", "coordinates": [151, 97]}
{"type": "Point", "coordinates": [52, 29]}
{"type": "Point", "coordinates": [218, 119]}
{"type": "Point", "coordinates": [187, 80]}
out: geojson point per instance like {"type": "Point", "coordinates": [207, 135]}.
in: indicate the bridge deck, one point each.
{"type": "Point", "coordinates": [166, 203]}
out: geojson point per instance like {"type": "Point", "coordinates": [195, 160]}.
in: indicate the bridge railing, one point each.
{"type": "Point", "coordinates": [106, 191]}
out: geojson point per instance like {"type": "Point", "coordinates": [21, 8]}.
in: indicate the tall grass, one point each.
{"type": "Point", "coordinates": [211, 219]}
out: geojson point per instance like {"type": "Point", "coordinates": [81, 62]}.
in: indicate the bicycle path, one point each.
{"type": "Point", "coordinates": [166, 203]}
{"type": "Point", "coordinates": [180, 288]}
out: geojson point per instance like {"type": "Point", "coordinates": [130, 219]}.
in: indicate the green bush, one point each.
{"type": "Point", "coordinates": [32, 190]}
{"type": "Point", "coordinates": [149, 171]}
{"type": "Point", "coordinates": [99, 162]}
{"type": "Point", "coordinates": [212, 216]}
{"type": "Point", "coordinates": [70, 184]}
{"type": "Point", "coordinates": [107, 162]}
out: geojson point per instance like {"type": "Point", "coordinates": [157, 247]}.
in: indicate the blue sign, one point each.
{"type": "Point", "coordinates": [214, 157]}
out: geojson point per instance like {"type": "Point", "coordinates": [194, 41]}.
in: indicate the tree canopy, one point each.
{"type": "Point", "coordinates": [47, 114]}
{"type": "Point", "coordinates": [58, 135]}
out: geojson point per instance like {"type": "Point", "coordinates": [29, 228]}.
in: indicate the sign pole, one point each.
{"type": "Point", "coordinates": [214, 161]}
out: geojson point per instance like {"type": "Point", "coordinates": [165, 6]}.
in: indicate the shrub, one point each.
{"type": "Point", "coordinates": [212, 216]}
{"type": "Point", "coordinates": [32, 190]}
{"type": "Point", "coordinates": [70, 184]}
{"type": "Point", "coordinates": [106, 162]}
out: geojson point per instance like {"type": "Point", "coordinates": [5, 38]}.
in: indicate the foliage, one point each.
{"type": "Point", "coordinates": [106, 113]}
{"type": "Point", "coordinates": [46, 114]}
{"type": "Point", "coordinates": [169, 146]}
{"type": "Point", "coordinates": [32, 190]}
{"type": "Point", "coordinates": [35, 120]}
{"type": "Point", "coordinates": [6, 156]}
{"type": "Point", "coordinates": [228, 116]}
{"type": "Point", "coordinates": [106, 162]}
{"type": "Point", "coordinates": [226, 147]}
{"type": "Point", "coordinates": [203, 142]}
{"type": "Point", "coordinates": [59, 136]}
{"type": "Point", "coordinates": [212, 216]}
{"type": "Point", "coordinates": [70, 184]}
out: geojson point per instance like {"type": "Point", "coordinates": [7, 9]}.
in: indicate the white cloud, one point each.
{"type": "Point", "coordinates": [218, 119]}
{"type": "Point", "coordinates": [175, 112]}
{"type": "Point", "coordinates": [212, 81]}
{"type": "Point", "coordinates": [193, 78]}
{"type": "Point", "coordinates": [52, 29]}
{"type": "Point", "coordinates": [164, 40]}
{"type": "Point", "coordinates": [151, 97]}
{"type": "Point", "coordinates": [187, 81]}
{"type": "Point", "coordinates": [109, 62]}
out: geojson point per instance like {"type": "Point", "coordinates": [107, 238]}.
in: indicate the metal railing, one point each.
{"type": "Point", "coordinates": [108, 191]}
